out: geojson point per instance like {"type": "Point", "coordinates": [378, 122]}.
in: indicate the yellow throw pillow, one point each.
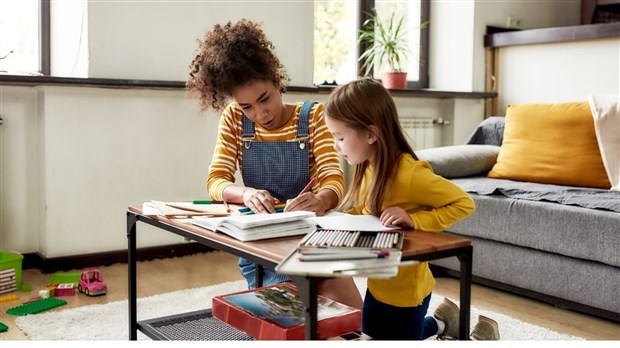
{"type": "Point", "coordinates": [551, 144]}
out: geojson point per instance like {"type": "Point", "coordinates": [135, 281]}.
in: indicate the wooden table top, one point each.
{"type": "Point", "coordinates": [276, 249]}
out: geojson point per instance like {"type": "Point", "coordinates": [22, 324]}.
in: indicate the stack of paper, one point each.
{"type": "Point", "coordinates": [260, 226]}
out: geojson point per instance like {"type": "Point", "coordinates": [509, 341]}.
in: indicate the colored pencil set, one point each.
{"type": "Point", "coordinates": [353, 239]}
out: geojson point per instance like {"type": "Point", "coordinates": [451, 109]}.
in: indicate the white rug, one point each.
{"type": "Point", "coordinates": [110, 321]}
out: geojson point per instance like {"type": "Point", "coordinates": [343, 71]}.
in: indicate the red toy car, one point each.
{"type": "Point", "coordinates": [91, 283]}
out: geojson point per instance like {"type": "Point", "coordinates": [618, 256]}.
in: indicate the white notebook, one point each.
{"type": "Point", "coordinates": [260, 226]}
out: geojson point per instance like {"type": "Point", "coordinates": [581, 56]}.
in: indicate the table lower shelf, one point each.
{"type": "Point", "coordinates": [192, 326]}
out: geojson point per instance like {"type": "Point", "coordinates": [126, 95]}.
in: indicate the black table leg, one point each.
{"type": "Point", "coordinates": [260, 273]}
{"type": "Point", "coordinates": [308, 292]}
{"type": "Point", "coordinates": [132, 291]}
{"type": "Point", "coordinates": [466, 260]}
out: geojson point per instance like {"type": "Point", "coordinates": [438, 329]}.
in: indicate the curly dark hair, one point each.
{"type": "Point", "coordinates": [230, 56]}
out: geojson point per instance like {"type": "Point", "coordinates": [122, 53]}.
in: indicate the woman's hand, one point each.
{"type": "Point", "coordinates": [306, 201]}
{"type": "Point", "coordinates": [259, 201]}
{"type": "Point", "coordinates": [396, 216]}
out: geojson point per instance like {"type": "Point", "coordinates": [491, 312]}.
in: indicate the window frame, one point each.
{"type": "Point", "coordinates": [367, 6]}
{"type": "Point", "coordinates": [44, 38]}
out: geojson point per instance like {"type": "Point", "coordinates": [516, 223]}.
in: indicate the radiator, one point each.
{"type": "Point", "coordinates": [422, 132]}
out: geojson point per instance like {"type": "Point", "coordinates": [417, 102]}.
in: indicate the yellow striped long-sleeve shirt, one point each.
{"type": "Point", "coordinates": [323, 161]}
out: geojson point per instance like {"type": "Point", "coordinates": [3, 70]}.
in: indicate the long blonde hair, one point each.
{"type": "Point", "coordinates": [365, 105]}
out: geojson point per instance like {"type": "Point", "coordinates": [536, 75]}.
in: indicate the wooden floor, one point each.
{"type": "Point", "coordinates": [160, 276]}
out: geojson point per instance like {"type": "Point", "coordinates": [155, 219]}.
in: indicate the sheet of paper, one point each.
{"type": "Point", "coordinates": [348, 222]}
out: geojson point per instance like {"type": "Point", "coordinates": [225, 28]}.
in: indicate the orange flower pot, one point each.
{"type": "Point", "coordinates": [394, 80]}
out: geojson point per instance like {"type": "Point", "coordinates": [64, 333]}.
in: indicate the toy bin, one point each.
{"type": "Point", "coordinates": [10, 272]}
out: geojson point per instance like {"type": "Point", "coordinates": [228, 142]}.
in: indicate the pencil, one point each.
{"type": "Point", "coordinates": [308, 187]}
{"type": "Point", "coordinates": [228, 210]}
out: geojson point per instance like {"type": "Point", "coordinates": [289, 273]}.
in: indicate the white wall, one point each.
{"type": "Point", "coordinates": [570, 71]}
{"type": "Point", "coordinates": [157, 40]}
{"type": "Point", "coordinates": [458, 28]}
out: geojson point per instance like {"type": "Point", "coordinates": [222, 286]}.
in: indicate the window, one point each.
{"type": "Point", "coordinates": [335, 38]}
{"type": "Point", "coordinates": [336, 49]}
{"type": "Point", "coordinates": [23, 54]}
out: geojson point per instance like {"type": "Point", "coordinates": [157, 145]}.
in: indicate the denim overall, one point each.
{"type": "Point", "coordinates": [280, 167]}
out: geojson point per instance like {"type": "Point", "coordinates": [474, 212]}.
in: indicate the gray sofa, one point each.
{"type": "Point", "coordinates": [557, 244]}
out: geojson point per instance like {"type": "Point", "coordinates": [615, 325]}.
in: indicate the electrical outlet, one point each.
{"type": "Point", "coordinates": [512, 22]}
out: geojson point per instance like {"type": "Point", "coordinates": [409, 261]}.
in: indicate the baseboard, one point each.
{"type": "Point", "coordinates": [439, 271]}
{"type": "Point", "coordinates": [65, 263]}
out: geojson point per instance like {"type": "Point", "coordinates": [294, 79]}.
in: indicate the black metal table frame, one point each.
{"type": "Point", "coordinates": [307, 286]}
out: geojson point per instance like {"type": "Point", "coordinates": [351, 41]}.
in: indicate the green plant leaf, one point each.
{"type": "Point", "coordinates": [386, 42]}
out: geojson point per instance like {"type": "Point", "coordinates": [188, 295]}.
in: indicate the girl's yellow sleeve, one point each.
{"type": "Point", "coordinates": [444, 202]}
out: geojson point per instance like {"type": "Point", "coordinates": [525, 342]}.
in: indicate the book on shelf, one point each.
{"type": "Point", "coordinates": [277, 313]}
{"type": "Point", "coordinates": [260, 226]}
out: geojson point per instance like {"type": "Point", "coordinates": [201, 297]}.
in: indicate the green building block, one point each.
{"type": "Point", "coordinates": [36, 306]}
{"type": "Point", "coordinates": [65, 278]}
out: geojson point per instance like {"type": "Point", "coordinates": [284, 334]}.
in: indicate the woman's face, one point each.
{"type": "Point", "coordinates": [354, 145]}
{"type": "Point", "coordinates": [262, 103]}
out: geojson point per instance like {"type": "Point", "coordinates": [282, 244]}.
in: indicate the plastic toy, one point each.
{"type": "Point", "coordinates": [36, 306]}
{"type": "Point", "coordinates": [64, 278]}
{"type": "Point", "coordinates": [44, 293]}
{"type": "Point", "coordinates": [7, 298]}
{"type": "Point", "coordinates": [91, 283]}
{"type": "Point", "coordinates": [67, 289]}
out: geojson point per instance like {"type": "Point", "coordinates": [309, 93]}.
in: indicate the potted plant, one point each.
{"type": "Point", "coordinates": [387, 45]}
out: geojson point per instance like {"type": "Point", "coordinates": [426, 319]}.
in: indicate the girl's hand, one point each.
{"type": "Point", "coordinates": [259, 201]}
{"type": "Point", "coordinates": [396, 216]}
{"type": "Point", "coordinates": [306, 201]}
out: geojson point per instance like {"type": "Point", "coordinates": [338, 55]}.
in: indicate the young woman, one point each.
{"type": "Point", "coordinates": [392, 184]}
{"type": "Point", "coordinates": [278, 147]}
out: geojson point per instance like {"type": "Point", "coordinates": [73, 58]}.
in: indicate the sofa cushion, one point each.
{"type": "Point", "coordinates": [460, 160]}
{"type": "Point", "coordinates": [551, 144]}
{"type": "Point", "coordinates": [490, 132]}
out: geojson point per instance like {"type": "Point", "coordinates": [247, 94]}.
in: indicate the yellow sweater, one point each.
{"type": "Point", "coordinates": [323, 161]}
{"type": "Point", "coordinates": [434, 204]}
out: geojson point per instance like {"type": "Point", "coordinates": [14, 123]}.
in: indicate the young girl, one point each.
{"type": "Point", "coordinates": [278, 147]}
{"type": "Point", "coordinates": [391, 183]}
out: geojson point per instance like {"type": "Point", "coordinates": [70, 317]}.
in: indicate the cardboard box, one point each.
{"type": "Point", "coordinates": [9, 263]}
{"type": "Point", "coordinates": [276, 313]}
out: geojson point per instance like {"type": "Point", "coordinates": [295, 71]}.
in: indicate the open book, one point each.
{"type": "Point", "coordinates": [260, 226]}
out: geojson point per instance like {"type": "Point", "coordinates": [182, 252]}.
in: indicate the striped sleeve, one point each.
{"type": "Point", "coordinates": [224, 162]}
{"type": "Point", "coordinates": [326, 165]}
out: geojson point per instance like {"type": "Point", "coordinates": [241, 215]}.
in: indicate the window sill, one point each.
{"type": "Point", "coordinates": [29, 80]}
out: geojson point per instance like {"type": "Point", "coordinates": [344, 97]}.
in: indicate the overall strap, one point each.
{"type": "Point", "coordinates": [304, 115]}
{"type": "Point", "coordinates": [248, 129]}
